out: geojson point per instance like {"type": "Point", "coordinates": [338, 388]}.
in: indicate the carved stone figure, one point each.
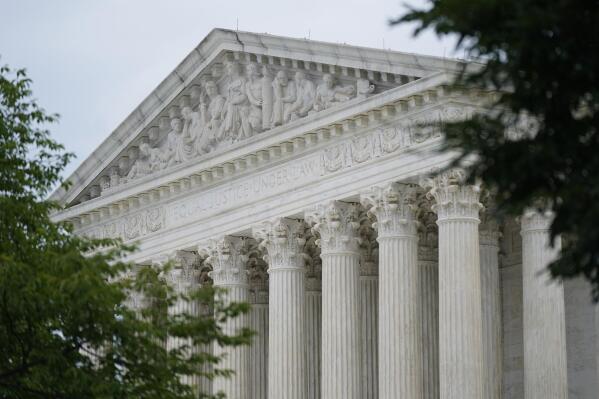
{"type": "Point", "coordinates": [179, 148]}
{"type": "Point", "coordinates": [253, 91]}
{"type": "Point", "coordinates": [327, 93]}
{"type": "Point", "coordinates": [143, 164]}
{"type": "Point", "coordinates": [305, 93]}
{"type": "Point", "coordinates": [267, 98]}
{"type": "Point", "coordinates": [364, 88]}
{"type": "Point", "coordinates": [193, 130]}
{"type": "Point", "coordinates": [235, 122]}
{"type": "Point", "coordinates": [284, 97]}
{"type": "Point", "coordinates": [211, 116]}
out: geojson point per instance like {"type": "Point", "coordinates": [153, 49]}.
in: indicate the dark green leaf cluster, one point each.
{"type": "Point", "coordinates": [543, 56]}
{"type": "Point", "coordinates": [65, 328]}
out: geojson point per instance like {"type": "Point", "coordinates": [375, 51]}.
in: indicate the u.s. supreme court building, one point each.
{"type": "Point", "coordinates": [297, 175]}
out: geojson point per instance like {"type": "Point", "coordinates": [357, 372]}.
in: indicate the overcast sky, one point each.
{"type": "Point", "coordinates": [93, 62]}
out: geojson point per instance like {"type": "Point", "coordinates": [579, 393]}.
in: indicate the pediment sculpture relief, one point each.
{"type": "Point", "coordinates": [246, 100]}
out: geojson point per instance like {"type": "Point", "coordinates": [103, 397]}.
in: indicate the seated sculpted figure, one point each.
{"type": "Point", "coordinates": [284, 97]}
{"type": "Point", "coordinates": [193, 128]}
{"type": "Point", "coordinates": [211, 114]}
{"type": "Point", "coordinates": [143, 164]}
{"type": "Point", "coordinates": [304, 101]}
{"type": "Point", "coordinates": [328, 94]}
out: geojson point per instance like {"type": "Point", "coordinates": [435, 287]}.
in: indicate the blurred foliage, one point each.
{"type": "Point", "coordinates": [543, 57]}
{"type": "Point", "coordinates": [66, 330]}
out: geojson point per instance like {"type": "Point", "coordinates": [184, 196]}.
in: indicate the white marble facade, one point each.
{"type": "Point", "coordinates": [297, 175]}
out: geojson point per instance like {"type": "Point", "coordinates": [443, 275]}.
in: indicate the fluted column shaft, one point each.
{"type": "Point", "coordinates": [183, 281]}
{"type": "Point", "coordinates": [429, 294]}
{"type": "Point", "coordinates": [460, 314]}
{"type": "Point", "coordinates": [259, 348]}
{"type": "Point", "coordinates": [545, 369]}
{"type": "Point", "coordinates": [228, 260]}
{"type": "Point", "coordinates": [313, 336]}
{"type": "Point", "coordinates": [337, 225]}
{"type": "Point", "coordinates": [369, 289]}
{"type": "Point", "coordinates": [286, 317]}
{"type": "Point", "coordinates": [491, 311]}
{"type": "Point", "coordinates": [400, 326]}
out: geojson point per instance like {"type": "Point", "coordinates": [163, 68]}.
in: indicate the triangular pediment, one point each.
{"type": "Point", "coordinates": [231, 88]}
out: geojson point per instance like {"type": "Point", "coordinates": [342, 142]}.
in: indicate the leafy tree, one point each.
{"type": "Point", "coordinates": [65, 328]}
{"type": "Point", "coordinates": [543, 57]}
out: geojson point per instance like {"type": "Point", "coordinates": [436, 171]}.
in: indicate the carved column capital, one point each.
{"type": "Point", "coordinates": [228, 258]}
{"type": "Point", "coordinates": [453, 198]}
{"type": "Point", "coordinates": [185, 271]}
{"type": "Point", "coordinates": [428, 231]}
{"type": "Point", "coordinates": [533, 220]}
{"type": "Point", "coordinates": [284, 241]}
{"type": "Point", "coordinates": [394, 209]}
{"type": "Point", "coordinates": [337, 223]}
{"type": "Point", "coordinates": [489, 232]}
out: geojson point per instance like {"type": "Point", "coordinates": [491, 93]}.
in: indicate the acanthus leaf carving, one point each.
{"type": "Point", "coordinates": [338, 225]}
{"type": "Point", "coordinates": [394, 208]}
{"type": "Point", "coordinates": [284, 241]}
{"type": "Point", "coordinates": [454, 198]}
{"type": "Point", "coordinates": [228, 258]}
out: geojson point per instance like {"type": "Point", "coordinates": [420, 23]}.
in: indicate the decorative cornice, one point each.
{"type": "Point", "coordinates": [228, 257]}
{"type": "Point", "coordinates": [414, 96]}
{"type": "Point", "coordinates": [384, 66]}
{"type": "Point", "coordinates": [338, 225]}
{"type": "Point", "coordinates": [284, 241]}
{"type": "Point", "coordinates": [394, 209]}
{"type": "Point", "coordinates": [453, 198]}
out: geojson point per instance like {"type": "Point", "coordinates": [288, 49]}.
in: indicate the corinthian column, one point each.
{"type": "Point", "coordinates": [400, 329]}
{"type": "Point", "coordinates": [491, 307]}
{"type": "Point", "coordinates": [545, 371]}
{"type": "Point", "coordinates": [460, 320]}
{"type": "Point", "coordinates": [337, 224]}
{"type": "Point", "coordinates": [284, 242]}
{"type": "Point", "coordinates": [428, 263]}
{"type": "Point", "coordinates": [258, 276]}
{"type": "Point", "coordinates": [313, 315]}
{"type": "Point", "coordinates": [228, 261]}
{"type": "Point", "coordinates": [184, 278]}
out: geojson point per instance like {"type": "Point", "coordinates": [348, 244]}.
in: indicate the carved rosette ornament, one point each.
{"type": "Point", "coordinates": [394, 209]}
{"type": "Point", "coordinates": [338, 225]}
{"type": "Point", "coordinates": [453, 198]}
{"type": "Point", "coordinates": [228, 257]}
{"type": "Point", "coordinates": [284, 241]}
